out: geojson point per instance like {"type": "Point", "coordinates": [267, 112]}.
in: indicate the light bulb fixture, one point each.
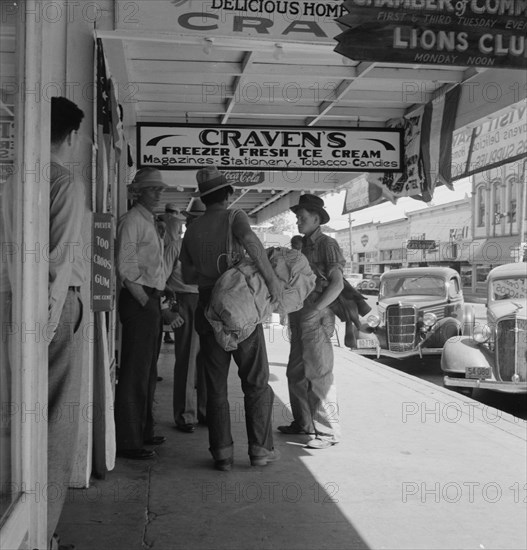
{"type": "Point", "coordinates": [207, 47]}
{"type": "Point", "coordinates": [345, 60]}
{"type": "Point", "coordinates": [278, 52]}
{"type": "Point", "coordinates": [180, 188]}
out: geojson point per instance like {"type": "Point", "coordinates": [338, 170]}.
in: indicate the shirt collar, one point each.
{"type": "Point", "coordinates": [145, 212]}
{"type": "Point", "coordinates": [314, 236]}
{"type": "Point", "coordinates": [54, 158]}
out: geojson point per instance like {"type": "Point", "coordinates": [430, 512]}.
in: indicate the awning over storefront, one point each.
{"type": "Point", "coordinates": [497, 250]}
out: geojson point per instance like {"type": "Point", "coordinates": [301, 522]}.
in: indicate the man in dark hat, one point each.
{"type": "Point", "coordinates": [204, 259]}
{"type": "Point", "coordinates": [141, 271]}
{"type": "Point", "coordinates": [189, 398]}
{"type": "Point", "coordinates": [312, 390]}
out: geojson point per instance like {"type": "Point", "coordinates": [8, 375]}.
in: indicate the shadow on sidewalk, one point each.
{"type": "Point", "coordinates": [178, 501]}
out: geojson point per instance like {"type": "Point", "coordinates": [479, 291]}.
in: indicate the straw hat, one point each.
{"type": "Point", "coordinates": [209, 179]}
{"type": "Point", "coordinates": [147, 177]}
{"type": "Point", "coordinates": [313, 203]}
{"type": "Point", "coordinates": [173, 211]}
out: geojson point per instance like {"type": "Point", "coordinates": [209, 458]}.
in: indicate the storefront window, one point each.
{"type": "Point", "coordinates": [9, 239]}
{"type": "Point", "coordinates": [466, 275]}
{"type": "Point", "coordinates": [512, 201]}
{"type": "Point", "coordinates": [480, 197]}
{"type": "Point", "coordinates": [497, 205]}
{"type": "Point", "coordinates": [481, 272]}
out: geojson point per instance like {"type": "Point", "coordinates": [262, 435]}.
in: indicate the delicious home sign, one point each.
{"type": "Point", "coordinates": [262, 148]}
{"type": "Point", "coordinates": [270, 20]}
{"type": "Point", "coordinates": [485, 33]}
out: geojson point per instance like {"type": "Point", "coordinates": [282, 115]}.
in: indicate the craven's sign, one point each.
{"type": "Point", "coordinates": [485, 33]}
{"type": "Point", "coordinates": [263, 148]}
{"type": "Point", "coordinates": [270, 20]}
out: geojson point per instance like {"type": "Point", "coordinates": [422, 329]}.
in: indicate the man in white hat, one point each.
{"type": "Point", "coordinates": [141, 271]}
{"type": "Point", "coordinates": [204, 260]}
{"type": "Point", "coordinates": [312, 390]}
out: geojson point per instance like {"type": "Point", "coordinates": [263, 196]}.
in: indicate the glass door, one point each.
{"type": "Point", "coordinates": [24, 118]}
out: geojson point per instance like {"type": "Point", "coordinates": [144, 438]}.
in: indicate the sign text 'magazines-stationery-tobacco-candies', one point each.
{"type": "Point", "coordinates": [190, 146]}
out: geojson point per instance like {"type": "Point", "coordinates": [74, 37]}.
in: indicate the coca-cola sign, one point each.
{"type": "Point", "coordinates": [244, 178]}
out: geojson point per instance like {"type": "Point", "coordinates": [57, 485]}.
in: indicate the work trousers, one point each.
{"type": "Point", "coordinates": [190, 393]}
{"type": "Point", "coordinates": [253, 370]}
{"type": "Point", "coordinates": [312, 389]}
{"type": "Point", "coordinates": [64, 395]}
{"type": "Point", "coordinates": [134, 394]}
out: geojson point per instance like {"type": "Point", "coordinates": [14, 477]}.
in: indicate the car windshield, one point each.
{"type": "Point", "coordinates": [511, 288]}
{"type": "Point", "coordinates": [406, 286]}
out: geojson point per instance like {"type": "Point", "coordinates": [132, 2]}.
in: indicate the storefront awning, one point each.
{"type": "Point", "coordinates": [497, 250]}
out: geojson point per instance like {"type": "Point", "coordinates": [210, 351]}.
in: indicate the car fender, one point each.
{"type": "Point", "coordinates": [441, 332]}
{"type": "Point", "coordinates": [469, 320]}
{"type": "Point", "coordinates": [462, 351]}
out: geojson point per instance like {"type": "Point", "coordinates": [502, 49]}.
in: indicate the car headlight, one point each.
{"type": "Point", "coordinates": [481, 334]}
{"type": "Point", "coordinates": [373, 321]}
{"type": "Point", "coordinates": [429, 319]}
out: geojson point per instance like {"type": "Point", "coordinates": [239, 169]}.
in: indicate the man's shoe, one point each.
{"type": "Point", "coordinates": [224, 465]}
{"type": "Point", "coordinates": [168, 339]}
{"type": "Point", "coordinates": [156, 440]}
{"type": "Point", "coordinates": [136, 454]}
{"type": "Point", "coordinates": [320, 444]}
{"type": "Point", "coordinates": [291, 429]}
{"type": "Point", "coordinates": [159, 378]}
{"type": "Point", "coordinates": [272, 456]}
{"type": "Point", "coordinates": [187, 428]}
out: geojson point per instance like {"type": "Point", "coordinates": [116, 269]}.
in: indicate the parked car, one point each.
{"type": "Point", "coordinates": [418, 310]}
{"type": "Point", "coordinates": [369, 286]}
{"type": "Point", "coordinates": [495, 357]}
{"type": "Point", "coordinates": [354, 278]}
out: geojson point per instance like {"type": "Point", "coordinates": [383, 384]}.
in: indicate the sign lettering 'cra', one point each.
{"type": "Point", "coordinates": [263, 148]}
{"type": "Point", "coordinates": [102, 280]}
{"type": "Point", "coordinates": [311, 21]}
{"type": "Point", "coordinates": [465, 33]}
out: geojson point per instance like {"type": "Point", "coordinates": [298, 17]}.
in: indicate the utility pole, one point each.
{"type": "Point", "coordinates": [523, 212]}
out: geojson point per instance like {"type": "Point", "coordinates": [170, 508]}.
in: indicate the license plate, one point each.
{"type": "Point", "coordinates": [477, 372]}
{"type": "Point", "coordinates": [366, 343]}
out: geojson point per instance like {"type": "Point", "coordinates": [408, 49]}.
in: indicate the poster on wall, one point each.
{"type": "Point", "coordinates": [467, 33]}
{"type": "Point", "coordinates": [184, 146]}
{"type": "Point", "coordinates": [102, 264]}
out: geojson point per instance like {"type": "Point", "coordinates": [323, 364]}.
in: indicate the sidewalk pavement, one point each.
{"type": "Point", "coordinates": [418, 467]}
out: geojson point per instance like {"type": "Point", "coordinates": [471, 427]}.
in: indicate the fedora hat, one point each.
{"type": "Point", "coordinates": [312, 203]}
{"type": "Point", "coordinates": [197, 208]}
{"type": "Point", "coordinates": [209, 179]}
{"type": "Point", "coordinates": [172, 210]}
{"type": "Point", "coordinates": [147, 177]}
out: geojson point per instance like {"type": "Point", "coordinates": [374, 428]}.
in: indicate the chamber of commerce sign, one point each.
{"type": "Point", "coordinates": [452, 32]}
{"type": "Point", "coordinates": [272, 20]}
{"type": "Point", "coordinates": [264, 148]}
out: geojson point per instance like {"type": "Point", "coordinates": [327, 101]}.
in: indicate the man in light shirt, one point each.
{"type": "Point", "coordinates": [141, 271]}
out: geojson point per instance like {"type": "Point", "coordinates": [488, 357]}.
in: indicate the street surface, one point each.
{"type": "Point", "coordinates": [429, 368]}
